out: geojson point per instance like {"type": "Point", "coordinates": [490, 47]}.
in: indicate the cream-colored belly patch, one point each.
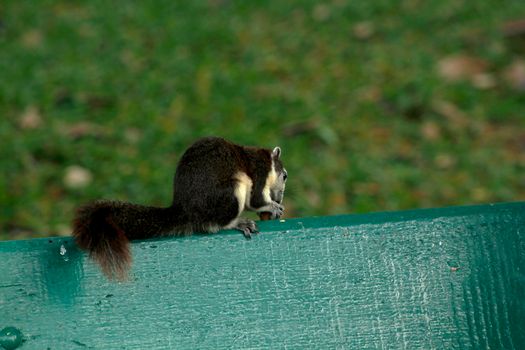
{"type": "Point", "coordinates": [243, 190]}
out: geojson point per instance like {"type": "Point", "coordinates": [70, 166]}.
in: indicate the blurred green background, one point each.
{"type": "Point", "coordinates": [377, 105]}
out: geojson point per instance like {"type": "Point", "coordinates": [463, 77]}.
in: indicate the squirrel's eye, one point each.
{"type": "Point", "coordinates": [285, 175]}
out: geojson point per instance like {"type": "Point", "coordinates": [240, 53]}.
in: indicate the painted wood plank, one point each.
{"type": "Point", "coordinates": [432, 279]}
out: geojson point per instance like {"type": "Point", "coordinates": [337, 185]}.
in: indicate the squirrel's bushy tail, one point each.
{"type": "Point", "coordinates": [96, 231]}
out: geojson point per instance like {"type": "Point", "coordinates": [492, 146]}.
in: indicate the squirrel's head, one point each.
{"type": "Point", "coordinates": [277, 186]}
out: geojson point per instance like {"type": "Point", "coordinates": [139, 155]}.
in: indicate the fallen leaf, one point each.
{"type": "Point", "coordinates": [363, 30]}
{"type": "Point", "coordinates": [82, 129]}
{"type": "Point", "coordinates": [484, 81]}
{"type": "Point", "coordinates": [204, 83]}
{"type": "Point", "coordinates": [300, 127]}
{"type": "Point", "coordinates": [451, 112]}
{"type": "Point", "coordinates": [99, 102]}
{"type": "Point", "coordinates": [30, 118]}
{"type": "Point", "coordinates": [514, 75]}
{"type": "Point", "coordinates": [131, 60]}
{"type": "Point", "coordinates": [369, 94]}
{"type": "Point", "coordinates": [321, 12]}
{"type": "Point", "coordinates": [380, 134]}
{"type": "Point", "coordinates": [63, 230]}
{"type": "Point", "coordinates": [337, 199]}
{"type": "Point", "coordinates": [430, 131]}
{"type": "Point", "coordinates": [327, 134]}
{"type": "Point", "coordinates": [514, 28]}
{"type": "Point", "coordinates": [32, 39]}
{"type": "Point", "coordinates": [77, 177]}
{"type": "Point", "coordinates": [461, 67]}
{"type": "Point", "coordinates": [313, 198]}
{"type": "Point", "coordinates": [480, 194]}
{"type": "Point", "coordinates": [444, 161]}
{"type": "Point", "coordinates": [367, 188]}
{"type": "Point", "coordinates": [133, 135]}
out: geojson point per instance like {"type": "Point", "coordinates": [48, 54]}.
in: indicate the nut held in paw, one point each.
{"type": "Point", "coordinates": [265, 216]}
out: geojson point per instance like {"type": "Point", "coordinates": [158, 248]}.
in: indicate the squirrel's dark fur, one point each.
{"type": "Point", "coordinates": [214, 182]}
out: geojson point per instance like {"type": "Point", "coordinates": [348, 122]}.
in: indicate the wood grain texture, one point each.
{"type": "Point", "coordinates": [431, 279]}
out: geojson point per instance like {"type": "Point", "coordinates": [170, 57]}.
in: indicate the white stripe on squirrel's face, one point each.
{"type": "Point", "coordinates": [270, 181]}
{"type": "Point", "coordinates": [278, 185]}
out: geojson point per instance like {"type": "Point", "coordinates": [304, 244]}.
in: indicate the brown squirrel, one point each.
{"type": "Point", "coordinates": [214, 182]}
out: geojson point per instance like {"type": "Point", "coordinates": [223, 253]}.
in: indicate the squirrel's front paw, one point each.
{"type": "Point", "coordinates": [276, 210]}
{"type": "Point", "coordinates": [273, 208]}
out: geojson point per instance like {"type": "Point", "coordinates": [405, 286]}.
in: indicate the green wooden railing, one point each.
{"type": "Point", "coordinates": [450, 278]}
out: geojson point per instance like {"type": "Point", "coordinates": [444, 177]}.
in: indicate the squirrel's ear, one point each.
{"type": "Point", "coordinates": [276, 153]}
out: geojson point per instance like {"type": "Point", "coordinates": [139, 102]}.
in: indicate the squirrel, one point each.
{"type": "Point", "coordinates": [215, 181]}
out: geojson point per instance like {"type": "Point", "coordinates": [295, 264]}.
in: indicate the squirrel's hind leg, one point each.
{"type": "Point", "coordinates": [246, 226]}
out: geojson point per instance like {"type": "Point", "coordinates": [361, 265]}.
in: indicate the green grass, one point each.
{"type": "Point", "coordinates": [359, 116]}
